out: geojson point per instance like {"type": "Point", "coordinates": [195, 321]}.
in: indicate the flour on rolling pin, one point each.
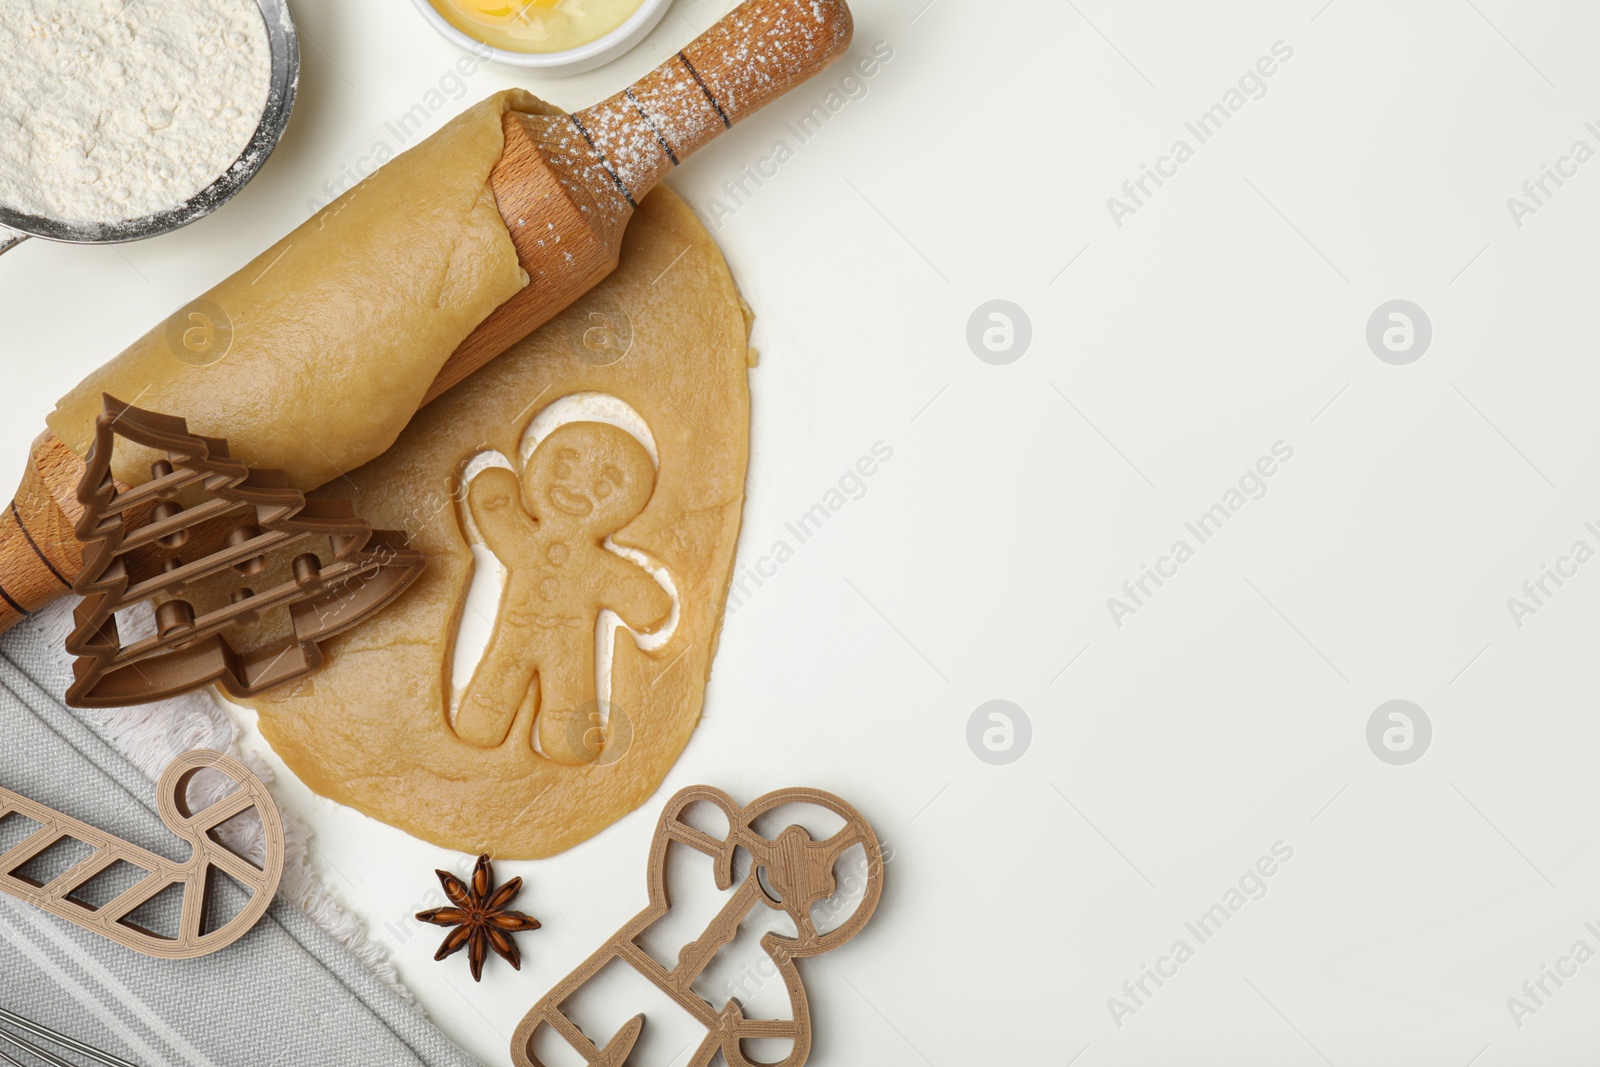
{"type": "Point", "coordinates": [119, 109]}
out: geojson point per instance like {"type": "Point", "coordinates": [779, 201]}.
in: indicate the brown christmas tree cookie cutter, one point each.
{"type": "Point", "coordinates": [65, 894]}
{"type": "Point", "coordinates": [205, 517]}
{"type": "Point", "coordinates": [792, 873]}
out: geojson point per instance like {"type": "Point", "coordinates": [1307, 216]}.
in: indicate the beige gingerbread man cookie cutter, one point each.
{"type": "Point", "coordinates": [548, 528]}
{"type": "Point", "coordinates": [792, 873]}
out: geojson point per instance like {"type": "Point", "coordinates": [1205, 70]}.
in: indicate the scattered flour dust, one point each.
{"type": "Point", "coordinates": [117, 109]}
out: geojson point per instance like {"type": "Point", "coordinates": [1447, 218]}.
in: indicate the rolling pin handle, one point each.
{"type": "Point", "coordinates": [758, 51]}
{"type": "Point", "coordinates": [763, 48]}
{"type": "Point", "coordinates": [39, 550]}
{"type": "Point", "coordinates": [582, 175]}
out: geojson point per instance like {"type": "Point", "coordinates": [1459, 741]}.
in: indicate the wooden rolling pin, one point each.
{"type": "Point", "coordinates": [581, 175]}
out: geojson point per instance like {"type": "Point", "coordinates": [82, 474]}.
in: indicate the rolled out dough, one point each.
{"type": "Point", "coordinates": [666, 335]}
{"type": "Point", "coordinates": [316, 353]}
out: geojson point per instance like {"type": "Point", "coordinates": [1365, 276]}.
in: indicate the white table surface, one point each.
{"type": "Point", "coordinates": [1229, 713]}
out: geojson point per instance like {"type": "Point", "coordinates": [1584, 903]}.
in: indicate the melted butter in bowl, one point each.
{"type": "Point", "coordinates": [537, 26]}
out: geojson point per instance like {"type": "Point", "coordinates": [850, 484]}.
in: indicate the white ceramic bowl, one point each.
{"type": "Point", "coordinates": [571, 61]}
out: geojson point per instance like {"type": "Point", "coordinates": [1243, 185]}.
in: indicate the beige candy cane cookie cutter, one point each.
{"type": "Point", "coordinates": [196, 875]}
{"type": "Point", "coordinates": [792, 872]}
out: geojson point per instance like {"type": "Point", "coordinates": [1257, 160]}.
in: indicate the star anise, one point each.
{"type": "Point", "coordinates": [481, 918]}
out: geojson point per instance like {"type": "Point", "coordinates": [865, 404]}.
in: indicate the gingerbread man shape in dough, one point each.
{"type": "Point", "coordinates": [792, 872]}
{"type": "Point", "coordinates": [584, 482]}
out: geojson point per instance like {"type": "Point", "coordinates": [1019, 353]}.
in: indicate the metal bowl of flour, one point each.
{"type": "Point", "coordinates": [285, 50]}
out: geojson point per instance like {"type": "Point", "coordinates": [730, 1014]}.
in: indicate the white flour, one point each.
{"type": "Point", "coordinates": [117, 109]}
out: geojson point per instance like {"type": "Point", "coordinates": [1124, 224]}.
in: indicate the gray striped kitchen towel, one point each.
{"type": "Point", "coordinates": [285, 995]}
